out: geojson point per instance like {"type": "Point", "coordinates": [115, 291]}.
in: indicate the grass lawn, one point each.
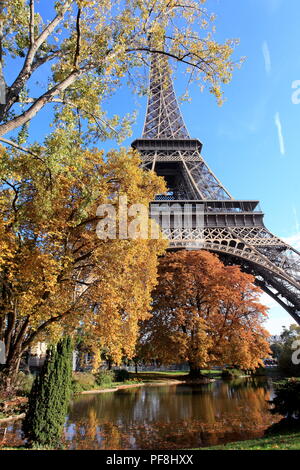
{"type": "Point", "coordinates": [152, 376]}
{"type": "Point", "coordinates": [116, 384]}
{"type": "Point", "coordinates": [148, 377]}
{"type": "Point", "coordinates": [279, 442]}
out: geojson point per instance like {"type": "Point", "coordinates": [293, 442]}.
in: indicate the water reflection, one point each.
{"type": "Point", "coordinates": [170, 417]}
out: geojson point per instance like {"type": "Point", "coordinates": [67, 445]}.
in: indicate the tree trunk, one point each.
{"type": "Point", "coordinates": [9, 374]}
{"type": "Point", "coordinates": [195, 371]}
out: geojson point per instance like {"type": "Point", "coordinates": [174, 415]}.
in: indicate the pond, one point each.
{"type": "Point", "coordinates": [168, 417]}
{"type": "Point", "coordinates": [171, 417]}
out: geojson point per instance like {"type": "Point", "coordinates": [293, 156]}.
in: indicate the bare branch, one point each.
{"type": "Point", "coordinates": [166, 53]}
{"type": "Point", "coordinates": [16, 191]}
{"type": "Point", "coordinates": [83, 110]}
{"type": "Point", "coordinates": [28, 68]}
{"type": "Point", "coordinates": [18, 147]}
{"type": "Point", "coordinates": [97, 119]}
{"type": "Point", "coordinates": [34, 155]}
{"type": "Point", "coordinates": [39, 103]}
{"type": "Point", "coordinates": [31, 23]}
{"type": "Point", "coordinates": [77, 51]}
{"type": "Point", "coordinates": [46, 33]}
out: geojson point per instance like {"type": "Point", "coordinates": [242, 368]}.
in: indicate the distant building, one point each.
{"type": "Point", "coordinates": [37, 355]}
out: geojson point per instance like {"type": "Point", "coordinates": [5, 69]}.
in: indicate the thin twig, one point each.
{"type": "Point", "coordinates": [18, 147]}
{"type": "Point", "coordinates": [31, 23]}
{"type": "Point", "coordinates": [82, 110]}
{"type": "Point", "coordinates": [16, 191]}
{"type": "Point", "coordinates": [77, 51]}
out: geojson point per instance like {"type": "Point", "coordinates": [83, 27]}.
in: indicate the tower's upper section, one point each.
{"type": "Point", "coordinates": [166, 146]}
{"type": "Point", "coordinates": [163, 117]}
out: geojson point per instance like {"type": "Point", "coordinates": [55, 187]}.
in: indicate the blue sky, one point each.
{"type": "Point", "coordinates": [251, 142]}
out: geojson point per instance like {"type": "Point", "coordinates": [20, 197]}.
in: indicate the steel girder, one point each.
{"type": "Point", "coordinates": [275, 265]}
{"type": "Point", "coordinates": [165, 143]}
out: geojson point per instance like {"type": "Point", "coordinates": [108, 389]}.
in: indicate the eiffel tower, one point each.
{"type": "Point", "coordinates": [233, 229]}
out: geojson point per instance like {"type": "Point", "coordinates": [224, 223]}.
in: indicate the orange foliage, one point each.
{"type": "Point", "coordinates": [205, 313]}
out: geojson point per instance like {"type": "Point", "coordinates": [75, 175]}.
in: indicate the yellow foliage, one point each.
{"type": "Point", "coordinates": [56, 274]}
{"type": "Point", "coordinates": [91, 45]}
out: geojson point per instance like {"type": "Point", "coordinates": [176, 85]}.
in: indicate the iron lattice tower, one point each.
{"type": "Point", "coordinates": [233, 229]}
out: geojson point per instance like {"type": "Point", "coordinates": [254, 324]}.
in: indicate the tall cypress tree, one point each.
{"type": "Point", "coordinates": [49, 398]}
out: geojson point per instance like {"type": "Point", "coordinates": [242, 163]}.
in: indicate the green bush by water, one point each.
{"type": "Point", "coordinates": [104, 378]}
{"type": "Point", "coordinates": [231, 373]}
{"type": "Point", "coordinates": [287, 399]}
{"type": "Point", "coordinates": [83, 381]}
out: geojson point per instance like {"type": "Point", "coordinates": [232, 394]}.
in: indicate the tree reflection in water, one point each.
{"type": "Point", "coordinates": [171, 417]}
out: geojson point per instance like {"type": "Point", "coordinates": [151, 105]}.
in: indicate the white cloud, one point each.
{"type": "Point", "coordinates": [280, 134]}
{"type": "Point", "coordinates": [293, 240]}
{"type": "Point", "coordinates": [297, 225]}
{"type": "Point", "coordinates": [268, 301]}
{"type": "Point", "coordinates": [277, 316]}
{"type": "Point", "coordinates": [267, 57]}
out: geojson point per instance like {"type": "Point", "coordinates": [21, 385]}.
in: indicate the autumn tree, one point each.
{"type": "Point", "coordinates": [84, 48]}
{"type": "Point", "coordinates": [56, 273]}
{"type": "Point", "coordinates": [205, 313]}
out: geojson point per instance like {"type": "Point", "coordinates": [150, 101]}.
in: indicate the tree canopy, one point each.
{"type": "Point", "coordinates": [71, 56]}
{"type": "Point", "coordinates": [205, 313]}
{"type": "Point", "coordinates": [83, 49]}
{"type": "Point", "coordinates": [56, 273]}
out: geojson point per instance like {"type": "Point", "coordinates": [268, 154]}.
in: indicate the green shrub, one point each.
{"type": "Point", "coordinates": [49, 397]}
{"type": "Point", "coordinates": [104, 377]}
{"type": "Point", "coordinates": [121, 375]}
{"type": "Point", "coordinates": [76, 388]}
{"type": "Point", "coordinates": [287, 399]}
{"type": "Point", "coordinates": [231, 373]}
{"type": "Point", "coordinates": [82, 381]}
{"type": "Point", "coordinates": [284, 426]}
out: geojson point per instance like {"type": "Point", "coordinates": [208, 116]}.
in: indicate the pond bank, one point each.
{"type": "Point", "coordinates": [155, 383]}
